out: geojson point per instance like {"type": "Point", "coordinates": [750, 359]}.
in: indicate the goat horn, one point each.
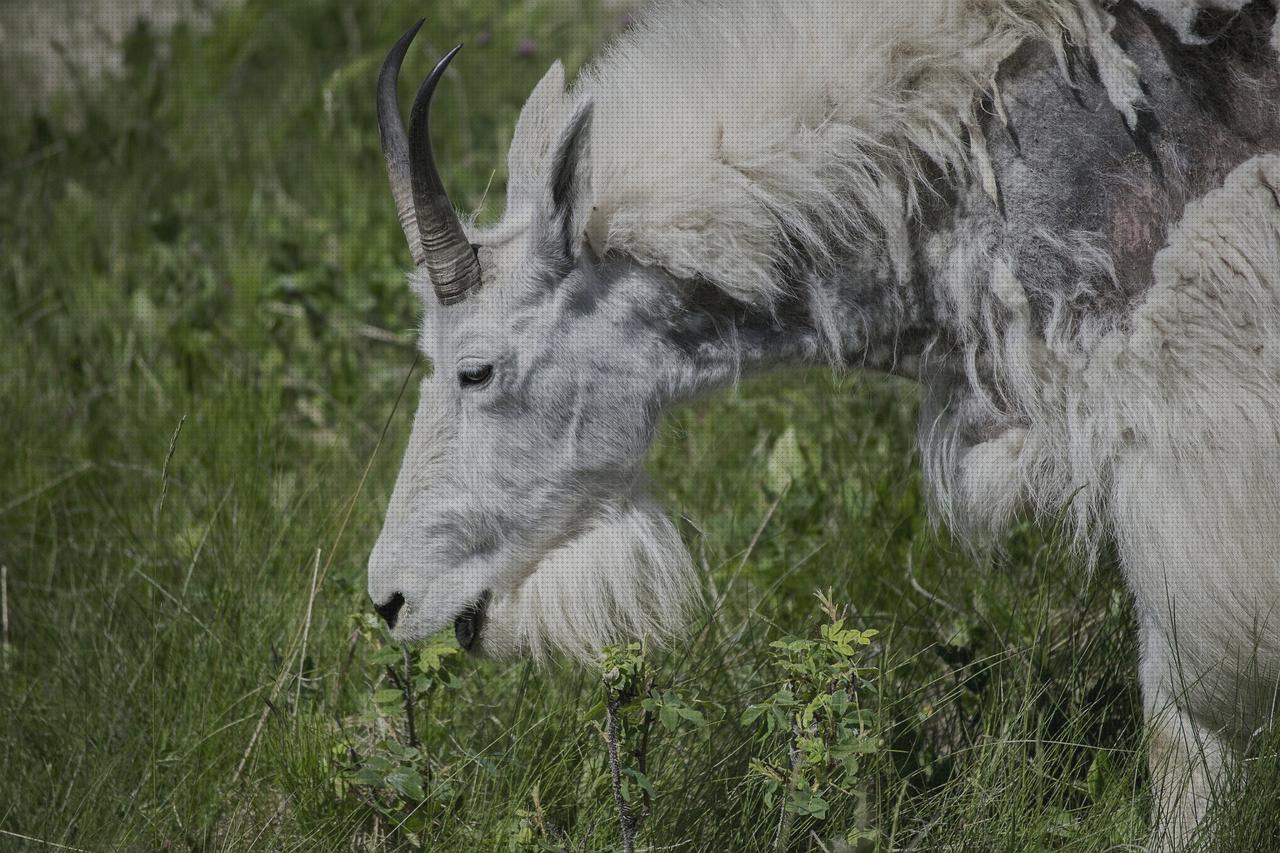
{"type": "Point", "coordinates": [395, 145]}
{"type": "Point", "coordinates": [447, 254]}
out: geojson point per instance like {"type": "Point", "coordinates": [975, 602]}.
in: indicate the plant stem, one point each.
{"type": "Point", "coordinates": [408, 699]}
{"type": "Point", "coordinates": [164, 471]}
{"type": "Point", "coordinates": [785, 815]}
{"type": "Point", "coordinates": [4, 617]}
{"type": "Point", "coordinates": [306, 634]}
{"type": "Point", "coordinates": [625, 819]}
{"type": "Point", "coordinates": [406, 690]}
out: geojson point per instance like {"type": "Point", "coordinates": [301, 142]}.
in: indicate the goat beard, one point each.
{"type": "Point", "coordinates": [627, 576]}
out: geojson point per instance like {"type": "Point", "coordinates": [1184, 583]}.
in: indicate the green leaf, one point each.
{"type": "Point", "coordinates": [785, 463]}
{"type": "Point", "coordinates": [431, 656]}
{"type": "Point", "coordinates": [407, 782]}
{"type": "Point", "coordinates": [416, 822]}
{"type": "Point", "coordinates": [378, 764]}
{"type": "Point", "coordinates": [642, 781]}
{"type": "Point", "coordinates": [387, 656]}
{"type": "Point", "coordinates": [400, 751]}
{"type": "Point", "coordinates": [368, 776]}
{"type": "Point", "coordinates": [691, 714]}
{"type": "Point", "coordinates": [817, 807]}
{"type": "Point", "coordinates": [669, 717]}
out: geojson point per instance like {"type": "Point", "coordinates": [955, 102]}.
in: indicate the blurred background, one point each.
{"type": "Point", "coordinates": [204, 337]}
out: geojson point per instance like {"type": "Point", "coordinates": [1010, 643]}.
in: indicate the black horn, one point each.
{"type": "Point", "coordinates": [430, 223]}
{"type": "Point", "coordinates": [395, 144]}
{"type": "Point", "coordinates": [448, 256]}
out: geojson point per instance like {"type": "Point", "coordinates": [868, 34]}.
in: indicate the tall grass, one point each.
{"type": "Point", "coordinates": [205, 332]}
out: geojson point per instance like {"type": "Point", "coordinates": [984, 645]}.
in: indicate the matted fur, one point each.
{"type": "Point", "coordinates": [737, 186]}
{"type": "Point", "coordinates": [813, 125]}
{"type": "Point", "coordinates": [1181, 15]}
{"type": "Point", "coordinates": [1185, 412]}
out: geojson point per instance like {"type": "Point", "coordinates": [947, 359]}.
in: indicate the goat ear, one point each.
{"type": "Point", "coordinates": [568, 179]}
{"type": "Point", "coordinates": [535, 135]}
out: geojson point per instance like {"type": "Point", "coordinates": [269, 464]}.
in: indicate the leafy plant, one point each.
{"type": "Point", "coordinates": [631, 705]}
{"type": "Point", "coordinates": [394, 775]}
{"type": "Point", "coordinates": [625, 677]}
{"type": "Point", "coordinates": [819, 729]}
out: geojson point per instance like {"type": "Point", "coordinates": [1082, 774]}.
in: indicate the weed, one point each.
{"type": "Point", "coordinates": [821, 729]}
{"type": "Point", "coordinates": [392, 773]}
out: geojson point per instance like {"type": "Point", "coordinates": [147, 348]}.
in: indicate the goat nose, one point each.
{"type": "Point", "coordinates": [390, 610]}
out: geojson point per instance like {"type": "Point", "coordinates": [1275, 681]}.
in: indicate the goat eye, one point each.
{"type": "Point", "coordinates": [471, 377]}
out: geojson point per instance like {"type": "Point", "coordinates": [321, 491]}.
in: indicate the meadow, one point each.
{"type": "Point", "coordinates": [207, 375]}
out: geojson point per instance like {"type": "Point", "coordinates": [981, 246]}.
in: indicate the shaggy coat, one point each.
{"type": "Point", "coordinates": [1062, 217]}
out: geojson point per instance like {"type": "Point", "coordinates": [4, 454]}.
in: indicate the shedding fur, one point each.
{"type": "Point", "coordinates": [1061, 216]}
{"type": "Point", "coordinates": [814, 125]}
{"type": "Point", "coordinates": [1189, 418]}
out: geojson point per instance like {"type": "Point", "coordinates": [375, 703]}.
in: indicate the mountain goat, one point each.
{"type": "Point", "coordinates": [1061, 217]}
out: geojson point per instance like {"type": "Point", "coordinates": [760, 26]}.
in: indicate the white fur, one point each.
{"type": "Point", "coordinates": [1161, 429]}
{"type": "Point", "coordinates": [1194, 393]}
{"type": "Point", "coordinates": [627, 575]}
{"type": "Point", "coordinates": [814, 126]}
{"type": "Point", "coordinates": [1164, 432]}
{"type": "Point", "coordinates": [819, 115]}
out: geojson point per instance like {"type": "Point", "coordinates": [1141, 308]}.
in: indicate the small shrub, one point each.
{"type": "Point", "coordinates": [386, 767]}
{"type": "Point", "coordinates": [631, 705]}
{"type": "Point", "coordinates": [817, 730]}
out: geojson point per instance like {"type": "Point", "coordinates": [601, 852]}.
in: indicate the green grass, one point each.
{"type": "Point", "coordinates": [203, 333]}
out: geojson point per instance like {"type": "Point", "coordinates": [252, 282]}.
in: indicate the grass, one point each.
{"type": "Point", "coordinates": [204, 333]}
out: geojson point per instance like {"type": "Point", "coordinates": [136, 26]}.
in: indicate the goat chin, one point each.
{"type": "Point", "coordinates": [628, 575]}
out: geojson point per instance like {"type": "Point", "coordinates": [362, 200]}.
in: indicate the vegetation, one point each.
{"type": "Point", "coordinates": [207, 373]}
